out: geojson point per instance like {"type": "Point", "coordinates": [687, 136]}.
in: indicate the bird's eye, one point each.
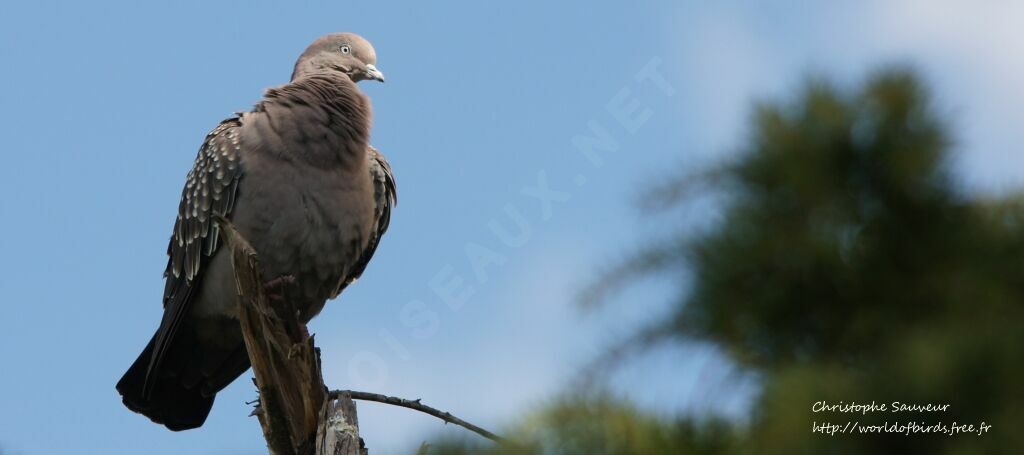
{"type": "Point", "coordinates": [345, 49]}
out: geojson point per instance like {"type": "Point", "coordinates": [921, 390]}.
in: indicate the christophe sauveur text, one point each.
{"type": "Point", "coordinates": [865, 408]}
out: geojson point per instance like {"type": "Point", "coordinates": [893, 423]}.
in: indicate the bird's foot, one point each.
{"type": "Point", "coordinates": [274, 287]}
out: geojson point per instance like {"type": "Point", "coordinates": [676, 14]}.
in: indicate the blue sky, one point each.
{"type": "Point", "coordinates": [106, 103]}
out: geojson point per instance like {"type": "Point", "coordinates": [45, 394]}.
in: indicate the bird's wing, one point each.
{"type": "Point", "coordinates": [210, 189]}
{"type": "Point", "coordinates": [385, 196]}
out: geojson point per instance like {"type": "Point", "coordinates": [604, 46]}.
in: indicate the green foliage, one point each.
{"type": "Point", "coordinates": [842, 223]}
{"type": "Point", "coordinates": [847, 266]}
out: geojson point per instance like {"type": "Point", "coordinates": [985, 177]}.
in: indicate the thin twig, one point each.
{"type": "Point", "coordinates": [416, 405]}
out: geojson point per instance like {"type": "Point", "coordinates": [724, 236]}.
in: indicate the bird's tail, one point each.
{"type": "Point", "coordinates": [169, 401]}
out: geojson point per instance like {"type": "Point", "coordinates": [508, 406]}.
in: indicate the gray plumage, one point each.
{"type": "Point", "coordinates": [296, 175]}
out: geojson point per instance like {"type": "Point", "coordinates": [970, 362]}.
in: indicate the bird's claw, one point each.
{"type": "Point", "coordinates": [274, 287]}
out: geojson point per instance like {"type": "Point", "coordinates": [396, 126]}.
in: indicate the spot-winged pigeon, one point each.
{"type": "Point", "coordinates": [298, 178]}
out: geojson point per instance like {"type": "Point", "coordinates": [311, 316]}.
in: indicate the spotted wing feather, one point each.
{"type": "Point", "coordinates": [210, 188]}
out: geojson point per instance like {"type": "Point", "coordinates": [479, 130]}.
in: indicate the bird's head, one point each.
{"type": "Point", "coordinates": [346, 53]}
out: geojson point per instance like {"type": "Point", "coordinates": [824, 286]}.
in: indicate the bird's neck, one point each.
{"type": "Point", "coordinates": [328, 89]}
{"type": "Point", "coordinates": [326, 112]}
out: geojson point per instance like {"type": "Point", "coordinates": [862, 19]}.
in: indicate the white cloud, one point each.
{"type": "Point", "coordinates": [969, 51]}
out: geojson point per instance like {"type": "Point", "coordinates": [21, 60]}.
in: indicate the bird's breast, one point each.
{"type": "Point", "coordinates": [309, 223]}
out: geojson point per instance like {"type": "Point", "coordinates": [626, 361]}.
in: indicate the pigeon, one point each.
{"type": "Point", "coordinates": [298, 179]}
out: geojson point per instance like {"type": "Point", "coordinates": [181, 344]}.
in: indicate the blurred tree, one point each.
{"type": "Point", "coordinates": [847, 267]}
{"type": "Point", "coordinates": [598, 424]}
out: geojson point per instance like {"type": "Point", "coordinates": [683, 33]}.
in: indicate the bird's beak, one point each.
{"type": "Point", "coordinates": [373, 73]}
